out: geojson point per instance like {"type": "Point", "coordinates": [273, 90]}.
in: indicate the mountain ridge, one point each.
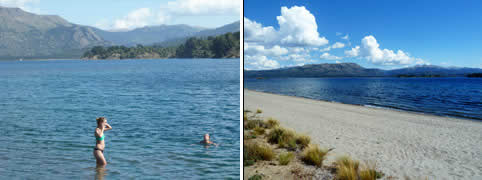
{"type": "Point", "coordinates": [25, 35]}
{"type": "Point", "coordinates": [355, 70]}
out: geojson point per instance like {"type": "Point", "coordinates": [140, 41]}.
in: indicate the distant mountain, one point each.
{"type": "Point", "coordinates": [233, 27]}
{"type": "Point", "coordinates": [27, 35]}
{"type": "Point", "coordinates": [354, 70]}
{"type": "Point", "coordinates": [150, 34]}
{"type": "Point", "coordinates": [424, 70]}
{"type": "Point", "coordinates": [318, 70]}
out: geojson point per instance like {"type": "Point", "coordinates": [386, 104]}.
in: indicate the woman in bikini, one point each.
{"type": "Point", "coordinates": [102, 126]}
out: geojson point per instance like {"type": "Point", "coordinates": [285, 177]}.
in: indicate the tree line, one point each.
{"type": "Point", "coordinates": [222, 46]}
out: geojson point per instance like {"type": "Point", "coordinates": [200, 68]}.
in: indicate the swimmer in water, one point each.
{"type": "Point", "coordinates": [206, 141]}
{"type": "Point", "coordinates": [102, 126]}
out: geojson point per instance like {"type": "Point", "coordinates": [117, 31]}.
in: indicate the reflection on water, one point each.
{"type": "Point", "coordinates": [100, 172]}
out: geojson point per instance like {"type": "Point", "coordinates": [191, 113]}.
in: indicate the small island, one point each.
{"type": "Point", "coordinates": [222, 46]}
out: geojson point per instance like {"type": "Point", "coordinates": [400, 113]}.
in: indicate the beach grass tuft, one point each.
{"type": "Point", "coordinates": [283, 137]}
{"type": "Point", "coordinates": [346, 168]}
{"type": "Point", "coordinates": [303, 141]}
{"type": "Point", "coordinates": [285, 158]}
{"type": "Point", "coordinates": [259, 131]}
{"type": "Point", "coordinates": [255, 152]}
{"type": "Point", "coordinates": [271, 123]}
{"type": "Point", "coordinates": [369, 172]}
{"type": "Point", "coordinates": [313, 155]}
{"type": "Point", "coordinates": [251, 124]}
{"type": "Point", "coordinates": [259, 111]}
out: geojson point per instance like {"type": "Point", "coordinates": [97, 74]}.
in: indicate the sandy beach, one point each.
{"type": "Point", "coordinates": [401, 143]}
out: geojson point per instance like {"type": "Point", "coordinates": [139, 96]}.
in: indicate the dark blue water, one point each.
{"type": "Point", "coordinates": [159, 111]}
{"type": "Point", "coordinates": [458, 97]}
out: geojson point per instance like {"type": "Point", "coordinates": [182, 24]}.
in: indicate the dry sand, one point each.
{"type": "Point", "coordinates": [401, 143]}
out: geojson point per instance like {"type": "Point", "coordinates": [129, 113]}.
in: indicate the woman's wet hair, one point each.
{"type": "Point", "coordinates": [100, 119]}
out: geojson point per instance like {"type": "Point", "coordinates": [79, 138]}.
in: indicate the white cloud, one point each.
{"type": "Point", "coordinates": [27, 5]}
{"type": "Point", "coordinates": [255, 32]}
{"type": "Point", "coordinates": [338, 45]}
{"type": "Point", "coordinates": [204, 7]}
{"type": "Point", "coordinates": [370, 50]}
{"type": "Point", "coordinates": [138, 18]}
{"type": "Point", "coordinates": [354, 52]}
{"type": "Point", "coordinates": [328, 56]}
{"type": "Point", "coordinates": [334, 46]}
{"type": "Point", "coordinates": [338, 62]}
{"type": "Point", "coordinates": [297, 28]}
{"type": "Point", "coordinates": [255, 49]}
{"type": "Point", "coordinates": [176, 8]}
{"type": "Point", "coordinates": [346, 37]}
{"type": "Point", "coordinates": [261, 62]}
{"type": "Point", "coordinates": [338, 33]}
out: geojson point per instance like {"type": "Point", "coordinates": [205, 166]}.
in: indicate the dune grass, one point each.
{"type": "Point", "coordinates": [256, 152]}
{"type": "Point", "coordinates": [251, 124]}
{"type": "Point", "coordinates": [369, 171]}
{"type": "Point", "coordinates": [259, 111]}
{"type": "Point", "coordinates": [259, 131]}
{"type": "Point", "coordinates": [346, 168]}
{"type": "Point", "coordinates": [283, 137]}
{"type": "Point", "coordinates": [285, 158]}
{"type": "Point", "coordinates": [303, 141]}
{"type": "Point", "coordinates": [271, 123]}
{"type": "Point", "coordinates": [313, 155]}
{"type": "Point", "coordinates": [349, 169]}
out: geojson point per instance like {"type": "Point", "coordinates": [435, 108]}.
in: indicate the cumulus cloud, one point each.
{"type": "Point", "coordinates": [261, 62]}
{"type": "Point", "coordinates": [297, 28]}
{"type": "Point", "coordinates": [291, 44]}
{"type": "Point", "coordinates": [255, 32]}
{"type": "Point", "coordinates": [328, 56]}
{"type": "Point", "coordinates": [370, 50]}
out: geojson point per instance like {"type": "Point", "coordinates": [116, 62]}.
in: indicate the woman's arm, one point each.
{"type": "Point", "coordinates": [107, 127]}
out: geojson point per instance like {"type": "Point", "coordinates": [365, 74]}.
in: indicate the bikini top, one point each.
{"type": "Point", "coordinates": [100, 138]}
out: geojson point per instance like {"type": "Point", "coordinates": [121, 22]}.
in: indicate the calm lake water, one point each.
{"type": "Point", "coordinates": [159, 111]}
{"type": "Point", "coordinates": [458, 97]}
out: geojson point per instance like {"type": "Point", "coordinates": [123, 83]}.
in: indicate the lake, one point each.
{"type": "Point", "coordinates": [159, 111]}
{"type": "Point", "coordinates": [456, 97]}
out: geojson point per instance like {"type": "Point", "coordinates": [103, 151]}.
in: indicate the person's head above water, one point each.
{"type": "Point", "coordinates": [101, 121]}
{"type": "Point", "coordinates": [206, 137]}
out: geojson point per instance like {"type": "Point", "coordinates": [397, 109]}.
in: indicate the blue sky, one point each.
{"type": "Point", "coordinates": [447, 33]}
{"type": "Point", "coordinates": [128, 14]}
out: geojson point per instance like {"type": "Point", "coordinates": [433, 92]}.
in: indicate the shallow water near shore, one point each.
{"type": "Point", "coordinates": [159, 111]}
{"type": "Point", "coordinates": [456, 97]}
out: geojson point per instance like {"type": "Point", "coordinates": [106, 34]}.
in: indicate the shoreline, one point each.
{"type": "Point", "coordinates": [377, 107]}
{"type": "Point", "coordinates": [401, 143]}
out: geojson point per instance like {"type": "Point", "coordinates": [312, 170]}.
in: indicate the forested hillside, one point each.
{"type": "Point", "coordinates": [222, 46]}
